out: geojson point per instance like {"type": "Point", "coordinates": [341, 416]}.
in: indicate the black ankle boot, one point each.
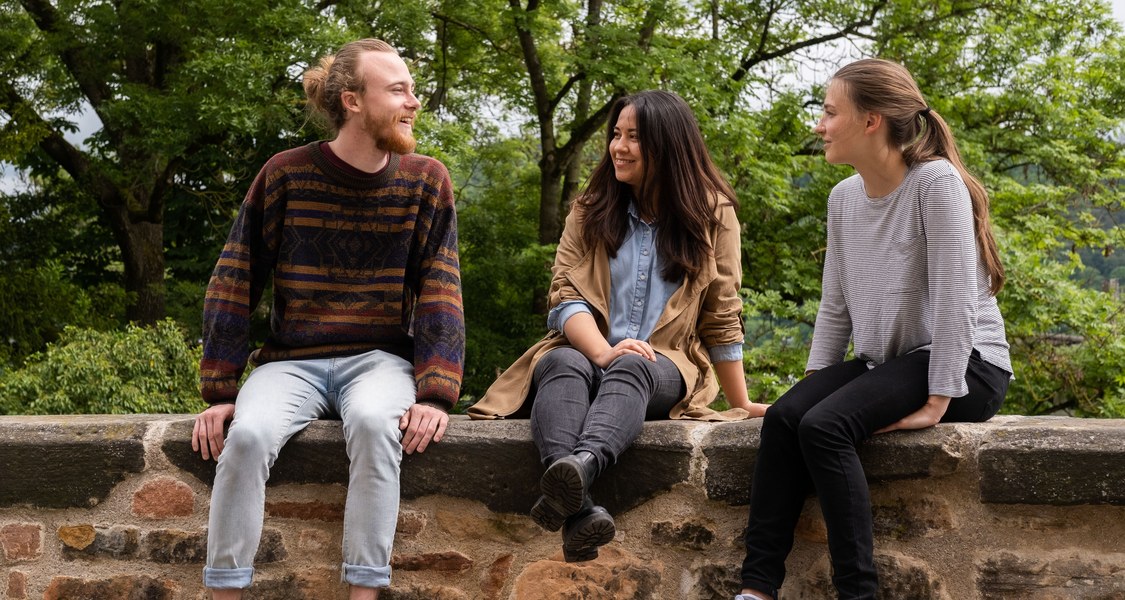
{"type": "Point", "coordinates": [564, 486]}
{"type": "Point", "coordinates": [587, 530]}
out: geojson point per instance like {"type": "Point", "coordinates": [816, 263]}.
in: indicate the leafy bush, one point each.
{"type": "Point", "coordinates": [135, 370]}
{"type": "Point", "coordinates": [39, 302]}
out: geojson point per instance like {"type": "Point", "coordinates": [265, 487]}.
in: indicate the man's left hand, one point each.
{"type": "Point", "coordinates": [421, 425]}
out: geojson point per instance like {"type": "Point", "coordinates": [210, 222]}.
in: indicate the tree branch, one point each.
{"type": "Point", "coordinates": [761, 56]}
{"type": "Point", "coordinates": [75, 56]}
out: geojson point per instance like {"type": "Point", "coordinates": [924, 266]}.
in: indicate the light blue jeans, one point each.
{"type": "Point", "coordinates": [370, 392]}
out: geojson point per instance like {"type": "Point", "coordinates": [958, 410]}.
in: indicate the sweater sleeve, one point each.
{"type": "Point", "coordinates": [235, 288]}
{"type": "Point", "coordinates": [439, 318]}
{"type": "Point", "coordinates": [833, 329]}
{"type": "Point", "coordinates": [951, 255]}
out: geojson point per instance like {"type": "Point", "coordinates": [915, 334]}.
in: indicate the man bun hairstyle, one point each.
{"type": "Point", "coordinates": [336, 74]}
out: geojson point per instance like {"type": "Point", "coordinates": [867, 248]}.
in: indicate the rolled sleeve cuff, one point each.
{"type": "Point", "coordinates": [725, 353]}
{"type": "Point", "coordinates": [556, 319]}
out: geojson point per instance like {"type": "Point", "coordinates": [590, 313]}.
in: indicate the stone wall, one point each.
{"type": "Point", "coordinates": [115, 507]}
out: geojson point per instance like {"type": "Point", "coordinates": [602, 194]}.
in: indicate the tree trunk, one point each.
{"type": "Point", "coordinates": [142, 250]}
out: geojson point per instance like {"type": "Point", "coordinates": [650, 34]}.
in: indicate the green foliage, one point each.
{"type": "Point", "coordinates": [138, 370]}
{"type": "Point", "coordinates": [42, 301]}
{"type": "Point", "coordinates": [1032, 89]}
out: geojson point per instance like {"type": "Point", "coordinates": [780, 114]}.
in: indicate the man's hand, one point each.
{"type": "Point", "coordinates": [207, 436]}
{"type": "Point", "coordinates": [929, 415]}
{"type": "Point", "coordinates": [421, 425]}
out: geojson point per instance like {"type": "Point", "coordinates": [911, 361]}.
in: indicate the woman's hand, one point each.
{"type": "Point", "coordinates": [626, 346]}
{"type": "Point", "coordinates": [929, 415]}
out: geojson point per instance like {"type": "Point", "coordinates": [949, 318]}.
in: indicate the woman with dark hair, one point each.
{"type": "Point", "coordinates": [910, 278]}
{"type": "Point", "coordinates": [644, 300]}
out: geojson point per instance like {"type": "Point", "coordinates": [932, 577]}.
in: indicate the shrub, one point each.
{"type": "Point", "coordinates": [135, 370]}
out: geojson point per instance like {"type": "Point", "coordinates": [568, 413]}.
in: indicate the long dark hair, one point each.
{"type": "Point", "coordinates": [887, 88]}
{"type": "Point", "coordinates": [680, 184]}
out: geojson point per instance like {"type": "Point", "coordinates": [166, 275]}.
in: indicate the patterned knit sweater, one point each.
{"type": "Point", "coordinates": [358, 263]}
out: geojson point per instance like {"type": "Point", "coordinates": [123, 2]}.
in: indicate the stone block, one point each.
{"type": "Point", "coordinates": [731, 450]}
{"type": "Point", "coordinates": [162, 498]}
{"type": "Point", "coordinates": [85, 541]}
{"type": "Point", "coordinates": [446, 562]}
{"type": "Point", "coordinates": [312, 584]}
{"type": "Point", "coordinates": [308, 511]}
{"type": "Point", "coordinates": [423, 592]}
{"type": "Point", "coordinates": [170, 546]}
{"type": "Point", "coordinates": [908, 518]}
{"type": "Point", "coordinates": [716, 581]}
{"type": "Point", "coordinates": [1053, 460]}
{"type": "Point", "coordinates": [493, 579]}
{"type": "Point", "coordinates": [65, 461]}
{"type": "Point", "coordinates": [315, 455]}
{"type": "Point", "coordinates": [692, 534]}
{"type": "Point", "coordinates": [17, 585]}
{"type": "Point", "coordinates": [114, 588]}
{"type": "Point", "coordinates": [1073, 574]}
{"type": "Point", "coordinates": [495, 462]}
{"type": "Point", "coordinates": [410, 523]}
{"type": "Point", "coordinates": [901, 577]}
{"type": "Point", "coordinates": [21, 541]}
{"type": "Point", "coordinates": [614, 575]}
{"type": "Point", "coordinates": [504, 528]}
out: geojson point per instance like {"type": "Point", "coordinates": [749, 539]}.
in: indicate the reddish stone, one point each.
{"type": "Point", "coordinates": [17, 586]}
{"type": "Point", "coordinates": [309, 511]}
{"type": "Point", "coordinates": [492, 581]}
{"type": "Point", "coordinates": [434, 561]}
{"type": "Point", "coordinates": [22, 541]}
{"type": "Point", "coordinates": [123, 586]}
{"type": "Point", "coordinates": [164, 497]}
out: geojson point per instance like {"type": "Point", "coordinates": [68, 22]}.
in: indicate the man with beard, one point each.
{"type": "Point", "coordinates": [359, 237]}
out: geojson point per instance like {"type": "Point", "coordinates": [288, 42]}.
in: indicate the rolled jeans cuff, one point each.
{"type": "Point", "coordinates": [228, 579]}
{"type": "Point", "coordinates": [372, 577]}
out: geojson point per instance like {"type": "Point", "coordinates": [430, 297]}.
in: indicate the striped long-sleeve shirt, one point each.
{"type": "Point", "coordinates": [357, 263]}
{"type": "Point", "coordinates": [903, 273]}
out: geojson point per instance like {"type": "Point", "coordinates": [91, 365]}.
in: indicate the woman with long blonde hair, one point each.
{"type": "Point", "coordinates": [910, 278]}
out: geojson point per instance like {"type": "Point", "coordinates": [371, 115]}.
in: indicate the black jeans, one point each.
{"type": "Point", "coordinates": [577, 406]}
{"type": "Point", "coordinates": [809, 441]}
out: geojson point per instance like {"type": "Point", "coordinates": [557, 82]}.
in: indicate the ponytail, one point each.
{"type": "Point", "coordinates": [888, 89]}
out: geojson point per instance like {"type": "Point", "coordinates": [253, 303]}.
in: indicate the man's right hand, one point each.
{"type": "Point", "coordinates": [207, 436]}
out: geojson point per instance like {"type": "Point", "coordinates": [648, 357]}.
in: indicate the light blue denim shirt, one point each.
{"type": "Point", "coordinates": [638, 292]}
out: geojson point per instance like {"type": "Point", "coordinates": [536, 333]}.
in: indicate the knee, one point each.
{"type": "Point", "coordinates": [628, 365]}
{"type": "Point", "coordinates": [248, 445]}
{"type": "Point", "coordinates": [564, 360]}
{"type": "Point", "coordinates": [818, 430]}
{"type": "Point", "coordinates": [373, 428]}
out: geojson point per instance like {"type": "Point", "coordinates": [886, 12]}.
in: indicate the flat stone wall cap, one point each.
{"type": "Point", "coordinates": [731, 450]}
{"type": "Point", "coordinates": [1054, 460]}
{"type": "Point", "coordinates": [63, 461]}
{"type": "Point", "coordinates": [315, 455]}
{"type": "Point", "coordinates": [918, 454]}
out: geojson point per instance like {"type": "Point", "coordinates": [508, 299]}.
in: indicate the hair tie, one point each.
{"type": "Point", "coordinates": [924, 111]}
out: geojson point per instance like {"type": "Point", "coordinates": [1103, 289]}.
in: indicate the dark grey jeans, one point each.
{"type": "Point", "coordinates": [579, 407]}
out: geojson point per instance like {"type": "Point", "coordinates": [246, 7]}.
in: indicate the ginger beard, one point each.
{"type": "Point", "coordinates": [389, 134]}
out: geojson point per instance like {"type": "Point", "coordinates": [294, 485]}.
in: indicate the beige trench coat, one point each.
{"type": "Point", "coordinates": [703, 312]}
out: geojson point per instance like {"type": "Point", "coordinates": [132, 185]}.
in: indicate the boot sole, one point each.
{"type": "Point", "coordinates": [563, 490]}
{"type": "Point", "coordinates": [546, 516]}
{"type": "Point", "coordinates": [583, 541]}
